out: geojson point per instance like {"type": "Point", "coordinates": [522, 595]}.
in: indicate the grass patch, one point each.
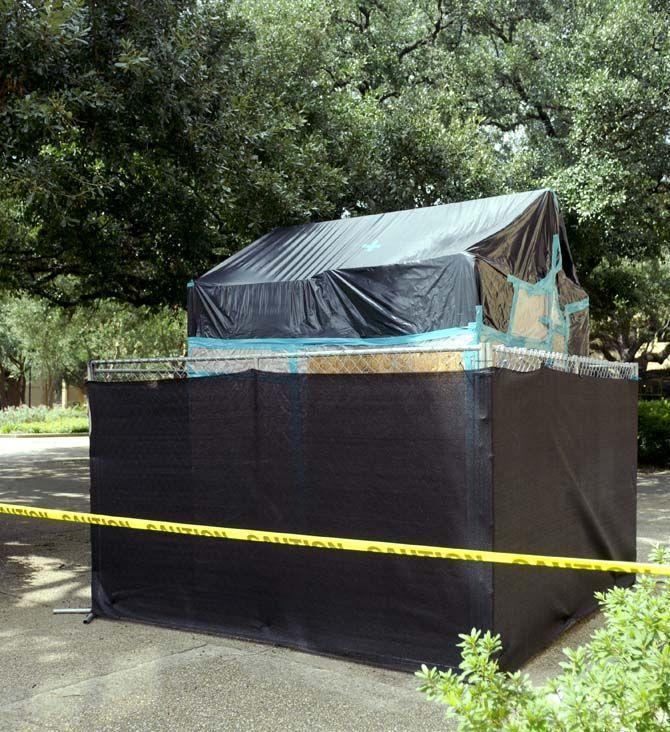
{"type": "Point", "coordinates": [43, 421]}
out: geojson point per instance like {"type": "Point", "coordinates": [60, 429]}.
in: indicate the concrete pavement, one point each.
{"type": "Point", "coordinates": [59, 674]}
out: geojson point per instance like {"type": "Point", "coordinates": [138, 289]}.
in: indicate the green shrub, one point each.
{"type": "Point", "coordinates": [43, 420]}
{"type": "Point", "coordinates": [618, 681]}
{"type": "Point", "coordinates": [653, 433]}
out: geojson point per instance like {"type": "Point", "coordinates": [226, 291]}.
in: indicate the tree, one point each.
{"type": "Point", "coordinates": [35, 334]}
{"type": "Point", "coordinates": [12, 364]}
{"type": "Point", "coordinates": [364, 84]}
{"type": "Point", "coordinates": [426, 102]}
{"type": "Point", "coordinates": [107, 329]}
{"type": "Point", "coordinates": [631, 309]}
{"type": "Point", "coordinates": [116, 130]}
{"type": "Point", "coordinates": [572, 95]}
{"type": "Point", "coordinates": [577, 96]}
{"type": "Point", "coordinates": [54, 342]}
{"type": "Point", "coordinates": [142, 142]}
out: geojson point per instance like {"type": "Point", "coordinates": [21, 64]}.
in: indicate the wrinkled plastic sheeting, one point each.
{"type": "Point", "coordinates": [360, 303]}
{"type": "Point", "coordinates": [579, 332]}
{"type": "Point", "coordinates": [393, 275]}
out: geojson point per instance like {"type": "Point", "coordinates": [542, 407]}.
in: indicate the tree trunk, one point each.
{"type": "Point", "coordinates": [21, 382]}
{"type": "Point", "coordinates": [49, 390]}
{"type": "Point", "coordinates": [4, 401]}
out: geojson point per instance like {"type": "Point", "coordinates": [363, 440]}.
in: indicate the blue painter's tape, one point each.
{"type": "Point", "coordinates": [575, 307]}
{"type": "Point", "coordinates": [479, 323]}
{"type": "Point", "coordinates": [470, 360]}
{"type": "Point", "coordinates": [512, 341]}
{"type": "Point", "coordinates": [546, 286]}
{"type": "Point", "coordinates": [548, 282]}
{"type": "Point", "coordinates": [293, 344]}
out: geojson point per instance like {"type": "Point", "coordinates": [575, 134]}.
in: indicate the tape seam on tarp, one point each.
{"type": "Point", "coordinates": [279, 344]}
{"type": "Point", "coordinates": [548, 287]}
{"type": "Point", "coordinates": [336, 543]}
{"type": "Point", "coordinates": [575, 307]}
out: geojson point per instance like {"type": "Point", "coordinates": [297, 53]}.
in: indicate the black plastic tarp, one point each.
{"type": "Point", "coordinates": [541, 462]}
{"type": "Point", "coordinates": [394, 274]}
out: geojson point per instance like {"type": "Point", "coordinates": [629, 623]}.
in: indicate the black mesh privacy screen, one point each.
{"type": "Point", "coordinates": [564, 483]}
{"type": "Point", "coordinates": [450, 459]}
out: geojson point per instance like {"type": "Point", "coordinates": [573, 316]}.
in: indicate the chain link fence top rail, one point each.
{"type": "Point", "coordinates": [530, 359]}
{"type": "Point", "coordinates": [357, 361]}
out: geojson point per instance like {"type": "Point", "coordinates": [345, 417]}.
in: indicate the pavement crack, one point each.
{"type": "Point", "coordinates": [56, 691]}
{"type": "Point", "coordinates": [95, 677]}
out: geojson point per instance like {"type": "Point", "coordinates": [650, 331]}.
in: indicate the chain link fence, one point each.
{"type": "Point", "coordinates": [530, 359]}
{"type": "Point", "coordinates": [344, 361]}
{"type": "Point", "coordinates": [358, 361]}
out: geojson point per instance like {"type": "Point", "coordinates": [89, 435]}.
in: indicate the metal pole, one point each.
{"type": "Point", "coordinates": [71, 610]}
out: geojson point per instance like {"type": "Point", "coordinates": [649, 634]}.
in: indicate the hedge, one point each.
{"type": "Point", "coordinates": [43, 420]}
{"type": "Point", "coordinates": [653, 433]}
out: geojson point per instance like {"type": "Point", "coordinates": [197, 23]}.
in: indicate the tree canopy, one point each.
{"type": "Point", "coordinates": [142, 142]}
{"type": "Point", "coordinates": [116, 125]}
{"type": "Point", "coordinates": [632, 298]}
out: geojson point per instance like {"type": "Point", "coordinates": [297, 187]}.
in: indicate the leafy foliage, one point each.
{"type": "Point", "coordinates": [631, 299]}
{"type": "Point", "coordinates": [43, 420]}
{"type": "Point", "coordinates": [620, 680]}
{"type": "Point", "coordinates": [115, 129]}
{"type": "Point", "coordinates": [34, 339]}
{"type": "Point", "coordinates": [140, 143]}
{"type": "Point", "coordinates": [54, 342]}
{"type": "Point", "coordinates": [653, 433]}
{"type": "Point", "coordinates": [105, 329]}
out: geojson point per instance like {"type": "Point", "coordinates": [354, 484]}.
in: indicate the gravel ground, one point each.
{"type": "Point", "coordinates": [59, 674]}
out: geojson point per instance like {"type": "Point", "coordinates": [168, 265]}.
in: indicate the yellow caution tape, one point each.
{"type": "Point", "coordinates": [330, 542]}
